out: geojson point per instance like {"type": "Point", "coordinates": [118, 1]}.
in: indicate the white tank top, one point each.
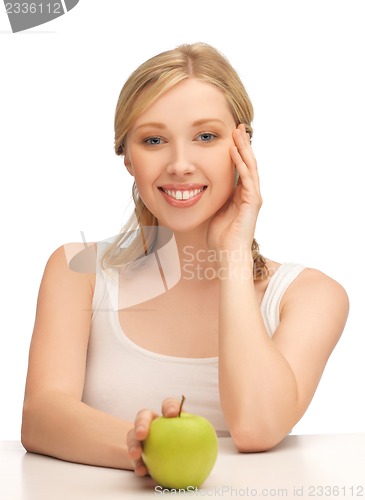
{"type": "Point", "coordinates": [123, 378]}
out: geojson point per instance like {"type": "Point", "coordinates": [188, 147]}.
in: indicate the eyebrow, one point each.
{"type": "Point", "coordinates": [151, 124]}
{"type": "Point", "coordinates": [197, 123]}
{"type": "Point", "coordinates": [207, 120]}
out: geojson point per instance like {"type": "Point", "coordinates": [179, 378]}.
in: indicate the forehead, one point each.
{"type": "Point", "coordinates": [189, 100]}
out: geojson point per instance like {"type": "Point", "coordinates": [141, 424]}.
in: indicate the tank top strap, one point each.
{"type": "Point", "coordinates": [279, 282]}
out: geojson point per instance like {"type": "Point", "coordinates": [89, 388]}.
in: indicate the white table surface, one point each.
{"type": "Point", "coordinates": [308, 466]}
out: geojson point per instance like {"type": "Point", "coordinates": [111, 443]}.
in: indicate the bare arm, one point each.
{"type": "Point", "coordinates": [55, 421]}
{"type": "Point", "coordinates": [267, 384]}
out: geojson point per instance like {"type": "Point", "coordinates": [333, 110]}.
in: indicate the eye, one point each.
{"type": "Point", "coordinates": [206, 137]}
{"type": "Point", "coordinates": [153, 141]}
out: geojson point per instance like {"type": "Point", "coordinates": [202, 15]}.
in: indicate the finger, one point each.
{"type": "Point", "coordinates": [244, 174]}
{"type": "Point", "coordinates": [170, 407]}
{"type": "Point", "coordinates": [139, 468]}
{"type": "Point", "coordinates": [134, 446]}
{"type": "Point", "coordinates": [249, 186]}
{"type": "Point", "coordinates": [135, 454]}
{"type": "Point", "coordinates": [142, 423]}
{"type": "Point", "coordinates": [242, 141]}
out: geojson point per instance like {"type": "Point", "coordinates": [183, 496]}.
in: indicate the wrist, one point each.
{"type": "Point", "coordinates": [240, 256]}
{"type": "Point", "coordinates": [236, 257]}
{"type": "Point", "coordinates": [236, 267]}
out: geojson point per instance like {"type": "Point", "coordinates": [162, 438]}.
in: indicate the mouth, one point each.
{"type": "Point", "coordinates": [182, 196]}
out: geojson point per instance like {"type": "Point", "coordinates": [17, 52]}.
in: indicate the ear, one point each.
{"type": "Point", "coordinates": [128, 164]}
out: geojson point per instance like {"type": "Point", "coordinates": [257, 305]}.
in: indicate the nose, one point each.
{"type": "Point", "coordinates": [180, 162]}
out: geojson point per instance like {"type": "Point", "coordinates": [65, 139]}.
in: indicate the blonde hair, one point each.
{"type": "Point", "coordinates": [146, 84]}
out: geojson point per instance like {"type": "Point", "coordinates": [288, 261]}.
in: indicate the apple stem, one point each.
{"type": "Point", "coordinates": [181, 404]}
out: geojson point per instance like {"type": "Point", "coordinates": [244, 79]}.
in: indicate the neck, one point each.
{"type": "Point", "coordinates": [196, 260]}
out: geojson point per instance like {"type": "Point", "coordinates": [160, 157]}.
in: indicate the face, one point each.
{"type": "Point", "coordinates": [178, 152]}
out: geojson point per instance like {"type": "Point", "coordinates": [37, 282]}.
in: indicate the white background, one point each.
{"type": "Point", "coordinates": [302, 63]}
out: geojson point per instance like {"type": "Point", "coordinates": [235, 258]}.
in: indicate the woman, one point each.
{"type": "Point", "coordinates": [182, 301]}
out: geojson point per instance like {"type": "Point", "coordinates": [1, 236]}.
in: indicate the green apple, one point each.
{"type": "Point", "coordinates": [180, 451]}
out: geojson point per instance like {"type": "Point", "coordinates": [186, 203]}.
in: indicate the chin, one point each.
{"type": "Point", "coordinates": [184, 226]}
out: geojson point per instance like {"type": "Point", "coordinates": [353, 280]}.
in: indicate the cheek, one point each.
{"type": "Point", "coordinates": [225, 169]}
{"type": "Point", "coordinates": [145, 165]}
{"type": "Point", "coordinates": [143, 184]}
{"type": "Point", "coordinates": [141, 169]}
{"type": "Point", "coordinates": [144, 178]}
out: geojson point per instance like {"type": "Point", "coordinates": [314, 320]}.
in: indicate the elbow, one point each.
{"type": "Point", "coordinates": [25, 438]}
{"type": "Point", "coordinates": [26, 442]}
{"type": "Point", "coordinates": [256, 440]}
{"type": "Point", "coordinates": [28, 428]}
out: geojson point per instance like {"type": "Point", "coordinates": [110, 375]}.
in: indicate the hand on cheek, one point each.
{"type": "Point", "coordinates": [234, 226]}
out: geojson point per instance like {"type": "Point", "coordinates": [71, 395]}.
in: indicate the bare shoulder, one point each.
{"type": "Point", "coordinates": [315, 284]}
{"type": "Point", "coordinates": [75, 261]}
{"type": "Point", "coordinates": [78, 257]}
{"type": "Point", "coordinates": [316, 294]}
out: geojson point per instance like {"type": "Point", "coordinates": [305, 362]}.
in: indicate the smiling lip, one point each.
{"type": "Point", "coordinates": [182, 195]}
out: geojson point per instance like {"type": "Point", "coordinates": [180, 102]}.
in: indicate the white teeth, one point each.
{"type": "Point", "coordinates": [183, 195]}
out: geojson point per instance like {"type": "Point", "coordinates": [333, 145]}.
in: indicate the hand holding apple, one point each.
{"type": "Point", "coordinates": [180, 451]}
{"type": "Point", "coordinates": [140, 430]}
